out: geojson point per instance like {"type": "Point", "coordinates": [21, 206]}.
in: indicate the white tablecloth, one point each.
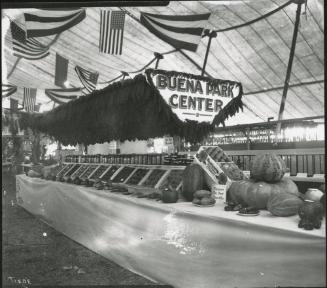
{"type": "Point", "coordinates": [180, 244]}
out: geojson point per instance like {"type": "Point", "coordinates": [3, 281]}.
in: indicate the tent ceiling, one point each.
{"type": "Point", "coordinates": [255, 55]}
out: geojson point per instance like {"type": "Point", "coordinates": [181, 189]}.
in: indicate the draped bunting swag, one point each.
{"type": "Point", "coordinates": [125, 110]}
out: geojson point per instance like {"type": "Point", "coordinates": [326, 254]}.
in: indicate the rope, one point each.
{"type": "Point", "coordinates": [254, 20]}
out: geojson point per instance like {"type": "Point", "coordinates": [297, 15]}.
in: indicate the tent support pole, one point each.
{"type": "Point", "coordinates": [289, 69]}
{"type": "Point", "coordinates": [211, 35]}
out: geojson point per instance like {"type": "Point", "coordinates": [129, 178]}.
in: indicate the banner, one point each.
{"type": "Point", "coordinates": [194, 97]}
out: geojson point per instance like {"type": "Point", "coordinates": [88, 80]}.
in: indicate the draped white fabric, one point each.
{"type": "Point", "coordinates": [180, 244]}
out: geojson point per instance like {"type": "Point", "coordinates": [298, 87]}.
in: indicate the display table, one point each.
{"type": "Point", "coordinates": [180, 244]}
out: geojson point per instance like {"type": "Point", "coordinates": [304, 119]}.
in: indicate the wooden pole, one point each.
{"type": "Point", "coordinates": [211, 35]}
{"type": "Point", "coordinates": [289, 69]}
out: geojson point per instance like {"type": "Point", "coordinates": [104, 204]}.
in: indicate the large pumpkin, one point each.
{"type": "Point", "coordinates": [284, 204]}
{"type": "Point", "coordinates": [256, 194]}
{"type": "Point", "coordinates": [193, 180]}
{"type": "Point", "coordinates": [267, 167]}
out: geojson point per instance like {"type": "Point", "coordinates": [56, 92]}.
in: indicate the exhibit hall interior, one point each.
{"type": "Point", "coordinates": [163, 143]}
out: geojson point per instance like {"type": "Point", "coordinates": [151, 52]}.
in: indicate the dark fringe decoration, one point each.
{"type": "Point", "coordinates": [126, 110]}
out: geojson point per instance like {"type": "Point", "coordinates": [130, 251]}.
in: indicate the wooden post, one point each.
{"type": "Point", "coordinates": [211, 35]}
{"type": "Point", "coordinates": [289, 69]}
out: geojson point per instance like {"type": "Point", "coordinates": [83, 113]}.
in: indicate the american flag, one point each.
{"type": "Point", "coordinates": [88, 79]}
{"type": "Point", "coordinates": [111, 31]}
{"type": "Point", "coordinates": [29, 99]}
{"type": "Point", "coordinates": [30, 49]}
{"type": "Point", "coordinates": [7, 90]}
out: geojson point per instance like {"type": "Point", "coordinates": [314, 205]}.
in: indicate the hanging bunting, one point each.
{"type": "Point", "coordinates": [61, 96]}
{"type": "Point", "coordinates": [7, 90]}
{"type": "Point", "coordinates": [89, 79]}
{"type": "Point", "coordinates": [61, 70]}
{"type": "Point", "coordinates": [30, 49]}
{"type": "Point", "coordinates": [182, 32]}
{"type": "Point", "coordinates": [111, 32]}
{"type": "Point", "coordinates": [29, 99]}
{"type": "Point", "coordinates": [45, 22]}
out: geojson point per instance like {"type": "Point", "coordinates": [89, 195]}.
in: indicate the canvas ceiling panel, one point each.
{"type": "Point", "coordinates": [300, 101]}
{"type": "Point", "coordinates": [316, 69]}
{"type": "Point", "coordinates": [313, 93]}
{"type": "Point", "coordinates": [259, 107]}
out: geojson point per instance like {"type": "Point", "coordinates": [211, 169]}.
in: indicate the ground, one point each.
{"type": "Point", "coordinates": [35, 254]}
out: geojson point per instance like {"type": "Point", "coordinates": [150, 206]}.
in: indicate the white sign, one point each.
{"type": "Point", "coordinates": [219, 192]}
{"type": "Point", "coordinates": [193, 97]}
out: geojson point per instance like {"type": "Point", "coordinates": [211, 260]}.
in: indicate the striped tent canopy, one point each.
{"type": "Point", "coordinates": [255, 55]}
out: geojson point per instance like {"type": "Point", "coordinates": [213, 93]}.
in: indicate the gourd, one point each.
{"type": "Point", "coordinates": [33, 174]}
{"type": "Point", "coordinates": [267, 167]}
{"type": "Point", "coordinates": [193, 180]}
{"type": "Point", "coordinates": [256, 194]}
{"type": "Point", "coordinates": [284, 204]}
{"type": "Point", "coordinates": [202, 194]}
{"type": "Point", "coordinates": [169, 195]}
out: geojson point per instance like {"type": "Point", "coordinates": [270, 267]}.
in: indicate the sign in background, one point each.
{"type": "Point", "coordinates": [195, 98]}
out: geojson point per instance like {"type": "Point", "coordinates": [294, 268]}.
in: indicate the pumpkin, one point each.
{"type": "Point", "coordinates": [256, 194]}
{"type": "Point", "coordinates": [267, 167]}
{"type": "Point", "coordinates": [284, 204]}
{"type": "Point", "coordinates": [193, 180]}
{"type": "Point", "coordinates": [313, 194]}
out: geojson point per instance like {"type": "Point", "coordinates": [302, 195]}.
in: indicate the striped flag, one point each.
{"type": "Point", "coordinates": [29, 99]}
{"type": "Point", "coordinates": [45, 22]}
{"type": "Point", "coordinates": [62, 96]}
{"type": "Point", "coordinates": [7, 90]}
{"type": "Point", "coordinates": [182, 32]}
{"type": "Point", "coordinates": [88, 79]}
{"type": "Point", "coordinates": [30, 49]}
{"type": "Point", "coordinates": [111, 32]}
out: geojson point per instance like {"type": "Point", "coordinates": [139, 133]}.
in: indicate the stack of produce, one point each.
{"type": "Point", "coordinates": [267, 189]}
{"type": "Point", "coordinates": [203, 198]}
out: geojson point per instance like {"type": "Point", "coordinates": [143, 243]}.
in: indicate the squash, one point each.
{"type": "Point", "coordinates": [284, 204]}
{"type": "Point", "coordinates": [202, 194]}
{"type": "Point", "coordinates": [169, 195]}
{"type": "Point", "coordinates": [193, 180]}
{"type": "Point", "coordinates": [267, 167]}
{"type": "Point", "coordinates": [33, 174]}
{"type": "Point", "coordinates": [256, 194]}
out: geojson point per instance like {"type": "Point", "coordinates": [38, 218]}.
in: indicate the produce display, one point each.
{"type": "Point", "coordinates": [154, 177]}
{"type": "Point", "coordinates": [64, 170]}
{"type": "Point", "coordinates": [88, 171]}
{"type": "Point", "coordinates": [256, 194]}
{"type": "Point", "coordinates": [284, 204]}
{"type": "Point", "coordinates": [123, 174]}
{"type": "Point", "coordinates": [203, 198]}
{"type": "Point", "coordinates": [99, 172]}
{"type": "Point", "coordinates": [232, 171]}
{"type": "Point", "coordinates": [174, 178]}
{"type": "Point", "coordinates": [110, 172]}
{"type": "Point", "coordinates": [193, 180]}
{"type": "Point", "coordinates": [137, 176]}
{"type": "Point", "coordinates": [267, 167]}
{"type": "Point", "coordinates": [310, 215]}
{"type": "Point", "coordinates": [81, 171]}
{"type": "Point", "coordinates": [71, 171]}
{"type": "Point", "coordinates": [216, 153]}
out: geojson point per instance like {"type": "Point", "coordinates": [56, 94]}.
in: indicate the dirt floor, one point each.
{"type": "Point", "coordinates": [35, 254]}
